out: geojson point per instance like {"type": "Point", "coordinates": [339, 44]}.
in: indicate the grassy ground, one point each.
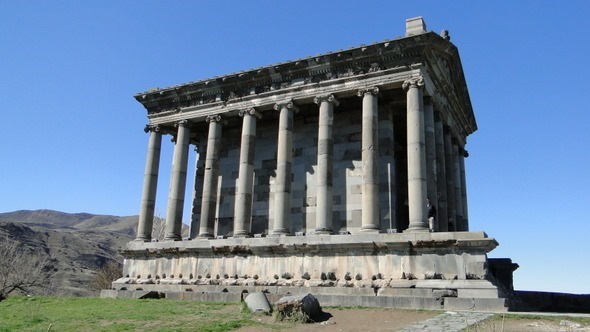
{"type": "Point", "coordinates": [95, 314]}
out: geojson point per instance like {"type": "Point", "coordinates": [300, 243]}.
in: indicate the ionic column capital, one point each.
{"type": "Point", "coordinates": [414, 82]}
{"type": "Point", "coordinates": [183, 123]}
{"type": "Point", "coordinates": [149, 128]}
{"type": "Point", "coordinates": [372, 90]}
{"type": "Point", "coordinates": [250, 111]}
{"type": "Point", "coordinates": [329, 98]}
{"type": "Point", "coordinates": [213, 118]}
{"type": "Point", "coordinates": [288, 104]}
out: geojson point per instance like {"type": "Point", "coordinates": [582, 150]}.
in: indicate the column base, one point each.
{"type": "Point", "coordinates": [369, 229]}
{"type": "Point", "coordinates": [205, 236]}
{"type": "Point", "coordinates": [279, 233]}
{"type": "Point", "coordinates": [143, 239]}
{"type": "Point", "coordinates": [418, 226]}
{"type": "Point", "coordinates": [241, 235]}
{"type": "Point", "coordinates": [417, 230]}
{"type": "Point", "coordinates": [322, 231]}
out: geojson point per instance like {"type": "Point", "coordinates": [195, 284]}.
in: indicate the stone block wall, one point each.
{"type": "Point", "coordinates": [347, 171]}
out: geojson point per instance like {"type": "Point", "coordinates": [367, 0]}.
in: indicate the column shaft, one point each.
{"type": "Point", "coordinates": [462, 155]}
{"type": "Point", "coordinates": [387, 168]}
{"type": "Point", "coordinates": [431, 176]}
{"type": "Point", "coordinates": [150, 184]}
{"type": "Point", "coordinates": [210, 178]}
{"type": "Point", "coordinates": [457, 182]}
{"type": "Point", "coordinates": [325, 163]}
{"type": "Point", "coordinates": [441, 184]}
{"type": "Point", "coordinates": [450, 179]}
{"type": "Point", "coordinates": [243, 208]}
{"type": "Point", "coordinates": [370, 159]}
{"type": "Point", "coordinates": [177, 183]}
{"type": "Point", "coordinates": [416, 155]}
{"type": "Point", "coordinates": [283, 175]}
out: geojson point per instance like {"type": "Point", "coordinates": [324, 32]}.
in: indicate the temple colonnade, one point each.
{"type": "Point", "coordinates": [435, 169]}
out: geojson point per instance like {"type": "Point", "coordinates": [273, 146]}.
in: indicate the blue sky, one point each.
{"type": "Point", "coordinates": [72, 137]}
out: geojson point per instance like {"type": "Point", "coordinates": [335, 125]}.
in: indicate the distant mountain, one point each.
{"type": "Point", "coordinates": [82, 221]}
{"type": "Point", "coordinates": [78, 244]}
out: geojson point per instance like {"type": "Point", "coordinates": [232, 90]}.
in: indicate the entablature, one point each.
{"type": "Point", "coordinates": [385, 64]}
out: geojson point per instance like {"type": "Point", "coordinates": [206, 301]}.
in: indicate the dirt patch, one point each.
{"type": "Point", "coordinates": [345, 319]}
{"type": "Point", "coordinates": [375, 319]}
{"type": "Point", "coordinates": [545, 324]}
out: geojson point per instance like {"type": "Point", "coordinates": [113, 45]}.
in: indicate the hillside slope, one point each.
{"type": "Point", "coordinates": [78, 244]}
{"type": "Point", "coordinates": [84, 221]}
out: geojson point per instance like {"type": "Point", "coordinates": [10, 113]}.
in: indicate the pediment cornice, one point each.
{"type": "Point", "coordinates": [334, 65]}
{"type": "Point", "coordinates": [438, 56]}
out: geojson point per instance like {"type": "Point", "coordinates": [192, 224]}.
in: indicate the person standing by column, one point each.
{"type": "Point", "coordinates": [431, 214]}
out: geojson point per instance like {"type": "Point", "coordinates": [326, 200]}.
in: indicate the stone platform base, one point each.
{"type": "Point", "coordinates": [408, 270]}
{"type": "Point", "coordinates": [404, 298]}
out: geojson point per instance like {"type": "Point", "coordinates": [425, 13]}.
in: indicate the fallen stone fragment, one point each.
{"type": "Point", "coordinates": [302, 307]}
{"type": "Point", "coordinates": [258, 303]}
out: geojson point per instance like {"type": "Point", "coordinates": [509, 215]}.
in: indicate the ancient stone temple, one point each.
{"type": "Point", "coordinates": [314, 175]}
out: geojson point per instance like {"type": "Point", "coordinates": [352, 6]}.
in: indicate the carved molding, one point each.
{"type": "Point", "coordinates": [328, 98]}
{"type": "Point", "coordinates": [250, 111]}
{"type": "Point", "coordinates": [414, 82]}
{"type": "Point", "coordinates": [372, 90]}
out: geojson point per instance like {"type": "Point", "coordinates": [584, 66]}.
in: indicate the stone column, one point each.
{"type": "Point", "coordinates": [462, 155]}
{"type": "Point", "coordinates": [325, 162]}
{"type": "Point", "coordinates": [210, 179]}
{"type": "Point", "coordinates": [450, 179]}
{"type": "Point", "coordinates": [430, 140]}
{"type": "Point", "coordinates": [387, 174]}
{"type": "Point", "coordinates": [177, 183]}
{"type": "Point", "coordinates": [370, 159]}
{"type": "Point", "coordinates": [416, 155]}
{"type": "Point", "coordinates": [243, 208]}
{"type": "Point", "coordinates": [441, 184]}
{"type": "Point", "coordinates": [283, 175]}
{"type": "Point", "coordinates": [150, 184]}
{"type": "Point", "coordinates": [457, 182]}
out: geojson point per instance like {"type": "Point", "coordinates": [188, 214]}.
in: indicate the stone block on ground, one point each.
{"type": "Point", "coordinates": [303, 307]}
{"type": "Point", "coordinates": [258, 303]}
{"type": "Point", "coordinates": [148, 295]}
